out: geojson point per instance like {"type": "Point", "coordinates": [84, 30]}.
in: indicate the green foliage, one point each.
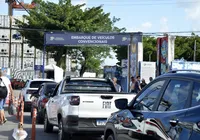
{"type": "Point", "coordinates": [67, 17]}
{"type": "Point", "coordinates": [184, 48]}
{"type": "Point", "coordinates": [149, 49]}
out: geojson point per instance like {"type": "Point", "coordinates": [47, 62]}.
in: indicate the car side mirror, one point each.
{"type": "Point", "coordinates": [121, 103]}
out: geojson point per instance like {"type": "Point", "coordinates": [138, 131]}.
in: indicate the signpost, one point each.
{"type": "Point", "coordinates": [78, 39]}
{"type": "Point", "coordinates": [91, 39]}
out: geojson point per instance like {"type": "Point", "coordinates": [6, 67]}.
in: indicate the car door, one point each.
{"type": "Point", "coordinates": [132, 121]}
{"type": "Point", "coordinates": [53, 105]}
{"type": "Point", "coordinates": [41, 94]}
{"type": "Point", "coordinates": [168, 121]}
{"type": "Point", "coordinates": [192, 118]}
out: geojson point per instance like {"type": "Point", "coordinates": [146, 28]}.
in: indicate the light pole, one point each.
{"type": "Point", "coordinates": [150, 53]}
{"type": "Point", "coordinates": [10, 12]}
{"type": "Point", "coordinates": [195, 49]}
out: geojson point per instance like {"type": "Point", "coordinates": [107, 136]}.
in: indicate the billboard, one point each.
{"type": "Point", "coordinates": [165, 54]}
{"type": "Point", "coordinates": [147, 69]}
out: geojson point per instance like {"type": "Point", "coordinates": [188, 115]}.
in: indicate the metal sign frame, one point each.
{"type": "Point", "coordinates": [90, 39]}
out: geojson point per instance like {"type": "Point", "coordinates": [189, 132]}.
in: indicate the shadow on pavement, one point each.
{"type": "Point", "coordinates": [6, 135]}
{"type": "Point", "coordinates": [41, 135]}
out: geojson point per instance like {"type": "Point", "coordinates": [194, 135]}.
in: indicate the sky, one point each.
{"type": "Point", "coordinates": [143, 15]}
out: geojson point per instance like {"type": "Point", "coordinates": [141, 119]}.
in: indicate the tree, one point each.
{"type": "Point", "coordinates": [65, 16]}
{"type": "Point", "coordinates": [149, 49]}
{"type": "Point", "coordinates": [184, 47]}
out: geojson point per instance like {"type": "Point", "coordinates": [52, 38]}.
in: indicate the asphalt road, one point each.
{"type": "Point", "coordinates": [6, 130]}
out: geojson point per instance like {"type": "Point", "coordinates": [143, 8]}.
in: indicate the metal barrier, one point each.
{"type": "Point", "coordinates": [20, 133]}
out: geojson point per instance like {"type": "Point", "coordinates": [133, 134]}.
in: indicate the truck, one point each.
{"type": "Point", "coordinates": [81, 105]}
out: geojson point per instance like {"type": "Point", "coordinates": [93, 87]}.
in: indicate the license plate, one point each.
{"type": "Point", "coordinates": [106, 105]}
{"type": "Point", "coordinates": [101, 122]}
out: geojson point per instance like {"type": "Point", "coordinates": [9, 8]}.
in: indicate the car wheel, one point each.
{"type": "Point", "coordinates": [47, 126]}
{"type": "Point", "coordinates": [110, 137]}
{"type": "Point", "coordinates": [62, 135]}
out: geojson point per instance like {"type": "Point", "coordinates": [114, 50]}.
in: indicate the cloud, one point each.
{"type": "Point", "coordinates": [144, 27]}
{"type": "Point", "coordinates": [164, 24]}
{"type": "Point", "coordinates": [147, 25]}
{"type": "Point", "coordinates": [192, 11]}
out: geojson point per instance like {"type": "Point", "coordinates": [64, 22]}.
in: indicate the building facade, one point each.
{"type": "Point", "coordinates": [23, 56]}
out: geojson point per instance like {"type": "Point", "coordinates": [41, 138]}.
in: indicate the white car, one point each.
{"type": "Point", "coordinates": [31, 86]}
{"type": "Point", "coordinates": [81, 105]}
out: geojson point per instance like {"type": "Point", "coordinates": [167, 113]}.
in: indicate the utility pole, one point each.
{"type": "Point", "coordinates": [195, 49]}
{"type": "Point", "coordinates": [10, 12]}
{"type": "Point", "coordinates": [16, 62]}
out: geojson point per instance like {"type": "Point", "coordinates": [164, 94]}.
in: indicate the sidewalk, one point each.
{"type": "Point", "coordinates": [6, 130]}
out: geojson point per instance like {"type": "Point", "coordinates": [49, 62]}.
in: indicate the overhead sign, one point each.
{"type": "Point", "coordinates": [75, 39]}
{"type": "Point", "coordinates": [38, 67]}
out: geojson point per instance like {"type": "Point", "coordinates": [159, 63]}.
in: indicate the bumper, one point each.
{"type": "Point", "coordinates": [74, 124]}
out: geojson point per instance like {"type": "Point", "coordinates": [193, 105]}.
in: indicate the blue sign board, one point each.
{"type": "Point", "coordinates": [76, 39]}
{"type": "Point", "coordinates": [38, 67]}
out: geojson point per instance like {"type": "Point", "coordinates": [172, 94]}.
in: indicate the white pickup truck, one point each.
{"type": "Point", "coordinates": [81, 105]}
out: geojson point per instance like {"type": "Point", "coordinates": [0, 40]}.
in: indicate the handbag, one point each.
{"type": "Point", "coordinates": [12, 110]}
{"type": "Point", "coordinates": [3, 90]}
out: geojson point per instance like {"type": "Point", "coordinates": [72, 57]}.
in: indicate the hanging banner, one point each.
{"type": "Point", "coordinates": [165, 54]}
{"type": "Point", "coordinates": [75, 39]}
{"type": "Point", "coordinates": [135, 56]}
{"type": "Point", "coordinates": [158, 57]}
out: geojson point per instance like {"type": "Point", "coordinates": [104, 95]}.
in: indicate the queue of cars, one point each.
{"type": "Point", "coordinates": [166, 109]}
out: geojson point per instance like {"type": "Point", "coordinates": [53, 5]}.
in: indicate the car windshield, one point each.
{"type": "Point", "coordinates": [36, 84]}
{"type": "Point", "coordinates": [88, 86]}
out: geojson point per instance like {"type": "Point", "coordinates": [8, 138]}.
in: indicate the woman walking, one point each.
{"type": "Point", "coordinates": [4, 81]}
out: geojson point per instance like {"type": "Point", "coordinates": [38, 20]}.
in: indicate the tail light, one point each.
{"type": "Point", "coordinates": [74, 100]}
{"type": "Point", "coordinates": [44, 101]}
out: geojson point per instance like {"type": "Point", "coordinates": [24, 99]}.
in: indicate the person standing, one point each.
{"type": "Point", "coordinates": [143, 84]}
{"type": "Point", "coordinates": [7, 83]}
{"type": "Point", "coordinates": [137, 85]}
{"type": "Point", "coordinates": [132, 85]}
{"type": "Point", "coordinates": [117, 86]}
{"type": "Point", "coordinates": [150, 79]}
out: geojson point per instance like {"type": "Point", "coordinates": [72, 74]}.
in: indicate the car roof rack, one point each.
{"type": "Point", "coordinates": [187, 70]}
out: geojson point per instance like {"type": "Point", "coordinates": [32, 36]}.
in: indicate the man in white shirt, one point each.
{"type": "Point", "coordinates": [117, 86]}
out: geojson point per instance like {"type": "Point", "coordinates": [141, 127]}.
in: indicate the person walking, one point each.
{"type": "Point", "coordinates": [117, 86]}
{"type": "Point", "coordinates": [9, 97]}
{"type": "Point", "coordinates": [132, 85]}
{"type": "Point", "coordinates": [150, 79]}
{"type": "Point", "coordinates": [143, 84]}
{"type": "Point", "coordinates": [137, 85]}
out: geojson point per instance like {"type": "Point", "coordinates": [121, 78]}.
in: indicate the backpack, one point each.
{"type": "Point", "coordinates": [3, 90]}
